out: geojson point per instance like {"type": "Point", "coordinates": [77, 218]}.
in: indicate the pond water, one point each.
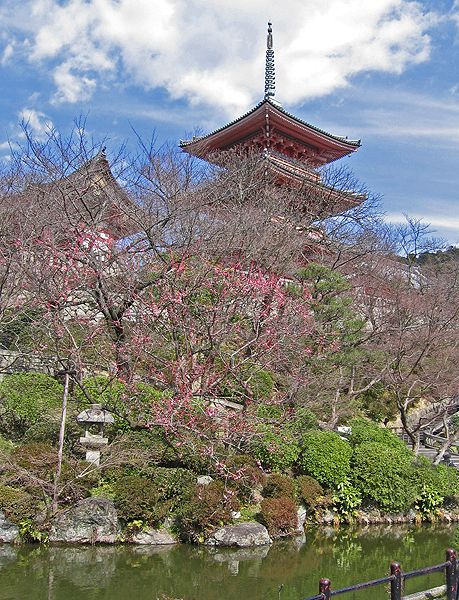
{"type": "Point", "coordinates": [284, 571]}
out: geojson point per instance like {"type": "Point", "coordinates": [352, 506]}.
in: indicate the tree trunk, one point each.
{"type": "Point", "coordinates": [61, 442]}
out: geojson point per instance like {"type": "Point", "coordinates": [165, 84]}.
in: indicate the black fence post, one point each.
{"type": "Point", "coordinates": [451, 574]}
{"type": "Point", "coordinates": [396, 583]}
{"type": "Point", "coordinates": [325, 588]}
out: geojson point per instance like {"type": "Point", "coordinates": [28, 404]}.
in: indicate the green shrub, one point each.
{"type": "Point", "coordinates": [152, 496]}
{"type": "Point", "coordinates": [6, 446]}
{"type": "Point", "coordinates": [261, 383]}
{"type": "Point", "coordinates": [17, 504]}
{"type": "Point", "coordinates": [39, 461]}
{"type": "Point", "coordinates": [245, 475]}
{"type": "Point", "coordinates": [173, 486]}
{"type": "Point", "coordinates": [445, 480]}
{"type": "Point", "coordinates": [309, 491]}
{"type": "Point", "coordinates": [26, 398]}
{"type": "Point", "coordinates": [302, 420]}
{"type": "Point", "coordinates": [346, 501]}
{"type": "Point", "coordinates": [37, 458]}
{"type": "Point", "coordinates": [326, 457]}
{"type": "Point", "coordinates": [428, 503]}
{"type": "Point", "coordinates": [276, 451]}
{"type": "Point", "coordinates": [137, 498]}
{"type": "Point", "coordinates": [104, 489]}
{"type": "Point", "coordinates": [279, 486]}
{"type": "Point", "coordinates": [148, 447]}
{"type": "Point", "coordinates": [383, 474]}
{"type": "Point", "coordinates": [101, 390]}
{"type": "Point", "coordinates": [363, 431]}
{"type": "Point", "coordinates": [279, 515]}
{"type": "Point", "coordinates": [210, 506]}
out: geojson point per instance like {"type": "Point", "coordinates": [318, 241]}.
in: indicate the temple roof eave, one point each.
{"type": "Point", "coordinates": [280, 113]}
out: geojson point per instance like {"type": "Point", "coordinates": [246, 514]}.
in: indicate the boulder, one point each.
{"type": "Point", "coordinates": [241, 535]}
{"type": "Point", "coordinates": [204, 480]}
{"type": "Point", "coordinates": [91, 521]}
{"type": "Point", "coordinates": [301, 518]}
{"type": "Point", "coordinates": [9, 532]}
{"type": "Point", "coordinates": [154, 537]}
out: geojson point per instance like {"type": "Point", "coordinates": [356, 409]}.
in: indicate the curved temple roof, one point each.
{"type": "Point", "coordinates": [270, 120]}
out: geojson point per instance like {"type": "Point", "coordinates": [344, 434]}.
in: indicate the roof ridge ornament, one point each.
{"type": "Point", "coordinates": [270, 75]}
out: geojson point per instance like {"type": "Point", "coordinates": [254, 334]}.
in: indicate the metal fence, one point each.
{"type": "Point", "coordinates": [396, 580]}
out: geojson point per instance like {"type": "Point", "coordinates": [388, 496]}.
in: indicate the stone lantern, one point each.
{"type": "Point", "coordinates": [94, 419]}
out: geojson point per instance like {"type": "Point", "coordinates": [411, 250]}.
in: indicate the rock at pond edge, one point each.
{"type": "Point", "coordinates": [9, 532]}
{"type": "Point", "coordinates": [241, 535]}
{"type": "Point", "coordinates": [91, 521]}
{"type": "Point", "coordinates": [153, 537]}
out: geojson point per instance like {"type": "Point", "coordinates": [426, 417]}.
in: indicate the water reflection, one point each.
{"type": "Point", "coordinates": [288, 570]}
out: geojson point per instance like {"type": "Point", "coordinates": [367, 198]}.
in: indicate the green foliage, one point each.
{"type": "Point", "coordinates": [364, 431]}
{"type": "Point", "coordinates": [245, 475]}
{"type": "Point", "coordinates": [346, 501]}
{"type": "Point", "coordinates": [428, 502]}
{"type": "Point", "coordinates": [39, 461]}
{"type": "Point", "coordinates": [323, 280]}
{"type": "Point", "coordinates": [137, 498]}
{"type": "Point", "coordinates": [278, 486]}
{"type": "Point", "coordinates": [104, 489]}
{"type": "Point", "coordinates": [383, 475]}
{"type": "Point", "coordinates": [26, 398]}
{"type": "Point", "coordinates": [445, 480]}
{"type": "Point", "coordinates": [16, 503]}
{"type": "Point", "coordinates": [269, 411]}
{"type": "Point", "coordinates": [378, 403]}
{"type": "Point", "coordinates": [17, 328]}
{"type": "Point", "coordinates": [101, 390]}
{"type": "Point", "coordinates": [326, 457]}
{"type": "Point", "coordinates": [261, 384]}
{"type": "Point", "coordinates": [6, 446]}
{"type": "Point", "coordinates": [279, 515]}
{"type": "Point", "coordinates": [309, 491]}
{"type": "Point", "coordinates": [252, 381]}
{"type": "Point", "coordinates": [210, 506]}
{"type": "Point", "coordinates": [276, 451]}
{"type": "Point", "coordinates": [149, 446]}
{"type": "Point", "coordinates": [30, 533]}
{"type": "Point", "coordinates": [302, 420]}
{"type": "Point", "coordinates": [152, 496]}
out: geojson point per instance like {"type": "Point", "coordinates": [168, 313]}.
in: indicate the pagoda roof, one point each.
{"type": "Point", "coordinates": [89, 196]}
{"type": "Point", "coordinates": [270, 119]}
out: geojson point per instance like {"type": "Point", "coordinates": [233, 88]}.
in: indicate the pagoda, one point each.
{"type": "Point", "coordinates": [293, 149]}
{"type": "Point", "coordinates": [89, 199]}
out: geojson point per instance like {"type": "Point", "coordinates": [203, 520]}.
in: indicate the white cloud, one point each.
{"type": "Point", "coordinates": [212, 52]}
{"type": "Point", "coordinates": [402, 114]}
{"type": "Point", "coordinates": [434, 220]}
{"type": "Point", "coordinates": [36, 122]}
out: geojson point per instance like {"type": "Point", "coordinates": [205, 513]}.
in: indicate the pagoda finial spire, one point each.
{"type": "Point", "coordinates": [270, 78]}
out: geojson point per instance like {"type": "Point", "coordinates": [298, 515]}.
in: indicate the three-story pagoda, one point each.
{"type": "Point", "coordinates": [293, 148]}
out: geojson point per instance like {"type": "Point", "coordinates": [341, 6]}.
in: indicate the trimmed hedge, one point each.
{"type": "Point", "coordinates": [309, 491]}
{"type": "Point", "coordinates": [209, 507]}
{"type": "Point", "coordinates": [25, 399]}
{"type": "Point", "coordinates": [279, 486]}
{"type": "Point", "coordinates": [363, 432]}
{"type": "Point", "coordinates": [326, 457]}
{"type": "Point", "coordinates": [279, 515]}
{"type": "Point", "coordinates": [383, 475]}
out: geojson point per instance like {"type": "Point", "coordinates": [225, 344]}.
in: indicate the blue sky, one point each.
{"type": "Point", "coordinates": [385, 71]}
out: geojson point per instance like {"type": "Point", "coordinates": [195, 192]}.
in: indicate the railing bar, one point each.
{"type": "Point", "coordinates": [361, 586]}
{"type": "Point", "coordinates": [424, 571]}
